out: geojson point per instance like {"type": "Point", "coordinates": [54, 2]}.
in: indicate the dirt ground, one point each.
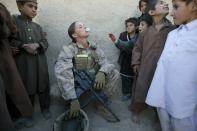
{"type": "Point", "coordinates": [97, 123]}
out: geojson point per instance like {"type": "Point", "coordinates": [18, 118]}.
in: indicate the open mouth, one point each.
{"type": "Point", "coordinates": [33, 14]}
{"type": "Point", "coordinates": [87, 29]}
{"type": "Point", "coordinates": [166, 8]}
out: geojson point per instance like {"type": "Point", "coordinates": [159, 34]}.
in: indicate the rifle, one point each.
{"type": "Point", "coordinates": [84, 82]}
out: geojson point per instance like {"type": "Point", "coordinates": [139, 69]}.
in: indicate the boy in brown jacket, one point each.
{"type": "Point", "coordinates": [31, 59]}
{"type": "Point", "coordinates": [147, 51]}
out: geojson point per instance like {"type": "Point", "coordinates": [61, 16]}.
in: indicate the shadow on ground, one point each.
{"type": "Point", "coordinates": [97, 123]}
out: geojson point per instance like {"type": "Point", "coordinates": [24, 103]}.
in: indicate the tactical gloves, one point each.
{"type": "Point", "coordinates": [74, 108]}
{"type": "Point", "coordinates": [100, 81]}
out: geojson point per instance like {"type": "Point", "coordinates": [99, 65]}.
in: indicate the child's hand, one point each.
{"type": "Point", "coordinates": [112, 37]}
{"type": "Point", "coordinates": [28, 49]}
{"type": "Point", "coordinates": [15, 50]}
{"type": "Point", "coordinates": [136, 69]}
{"type": "Point", "coordinates": [31, 48]}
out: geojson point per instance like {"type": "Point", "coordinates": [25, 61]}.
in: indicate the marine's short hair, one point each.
{"type": "Point", "coordinates": [71, 31]}
{"type": "Point", "coordinates": [186, 1]}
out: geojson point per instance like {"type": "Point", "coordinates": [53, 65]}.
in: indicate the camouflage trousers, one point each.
{"type": "Point", "coordinates": [113, 83]}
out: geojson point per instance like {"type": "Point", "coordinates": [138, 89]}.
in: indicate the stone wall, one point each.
{"type": "Point", "coordinates": [101, 16]}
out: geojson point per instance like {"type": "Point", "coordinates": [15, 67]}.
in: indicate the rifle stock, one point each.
{"type": "Point", "coordinates": [84, 82]}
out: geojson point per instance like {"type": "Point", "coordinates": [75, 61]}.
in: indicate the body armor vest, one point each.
{"type": "Point", "coordinates": [86, 60]}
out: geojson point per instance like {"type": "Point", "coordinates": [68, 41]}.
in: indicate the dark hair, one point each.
{"type": "Point", "coordinates": [186, 1]}
{"type": "Point", "coordinates": [195, 2]}
{"type": "Point", "coordinates": [140, 2]}
{"type": "Point", "coordinates": [9, 20]}
{"type": "Point", "coordinates": [147, 18]}
{"type": "Point", "coordinates": [21, 2]}
{"type": "Point", "coordinates": [151, 5]}
{"type": "Point", "coordinates": [133, 20]}
{"type": "Point", "coordinates": [71, 31]}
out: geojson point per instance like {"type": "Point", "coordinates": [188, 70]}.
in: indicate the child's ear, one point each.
{"type": "Point", "coordinates": [151, 12]}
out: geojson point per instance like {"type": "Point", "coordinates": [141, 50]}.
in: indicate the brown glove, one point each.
{"type": "Point", "coordinates": [74, 108]}
{"type": "Point", "coordinates": [99, 81]}
{"type": "Point", "coordinates": [136, 69]}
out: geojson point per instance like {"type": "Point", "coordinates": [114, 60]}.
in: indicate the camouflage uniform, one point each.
{"type": "Point", "coordinates": [64, 69]}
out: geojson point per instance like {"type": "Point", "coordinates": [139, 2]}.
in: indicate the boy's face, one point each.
{"type": "Point", "coordinates": [143, 6]}
{"type": "Point", "coordinates": [161, 8]}
{"type": "Point", "coordinates": [182, 12]}
{"type": "Point", "coordinates": [130, 27]}
{"type": "Point", "coordinates": [80, 31]}
{"type": "Point", "coordinates": [29, 9]}
{"type": "Point", "coordinates": [143, 26]}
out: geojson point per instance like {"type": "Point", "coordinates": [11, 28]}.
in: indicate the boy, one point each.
{"type": "Point", "coordinates": [31, 59]}
{"type": "Point", "coordinates": [145, 22]}
{"type": "Point", "coordinates": [81, 55]}
{"type": "Point", "coordinates": [125, 44]}
{"type": "Point", "coordinates": [146, 53]}
{"type": "Point", "coordinates": [142, 6]}
{"type": "Point", "coordinates": [173, 89]}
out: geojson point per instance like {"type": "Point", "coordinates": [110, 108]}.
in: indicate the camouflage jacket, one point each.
{"type": "Point", "coordinates": [64, 68]}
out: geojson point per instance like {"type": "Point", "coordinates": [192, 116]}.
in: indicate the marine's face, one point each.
{"type": "Point", "coordinates": [29, 9]}
{"type": "Point", "coordinates": [80, 30]}
{"type": "Point", "coordinates": [181, 12]}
